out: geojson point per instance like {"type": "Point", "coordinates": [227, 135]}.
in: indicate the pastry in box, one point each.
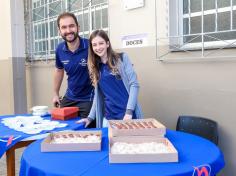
{"type": "Point", "coordinates": [136, 127]}
{"type": "Point", "coordinates": [141, 149]}
{"type": "Point", "coordinates": [72, 141]}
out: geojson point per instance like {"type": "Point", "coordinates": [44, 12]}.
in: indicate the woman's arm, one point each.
{"type": "Point", "coordinates": [130, 78]}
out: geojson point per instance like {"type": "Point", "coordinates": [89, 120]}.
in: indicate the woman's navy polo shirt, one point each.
{"type": "Point", "coordinates": [115, 93]}
{"type": "Point", "coordinates": [79, 87]}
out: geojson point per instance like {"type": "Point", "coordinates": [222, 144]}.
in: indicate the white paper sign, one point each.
{"type": "Point", "coordinates": [131, 41]}
{"type": "Point", "coordinates": [133, 4]}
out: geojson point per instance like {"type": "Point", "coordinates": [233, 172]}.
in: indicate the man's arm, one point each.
{"type": "Point", "coordinates": [58, 78]}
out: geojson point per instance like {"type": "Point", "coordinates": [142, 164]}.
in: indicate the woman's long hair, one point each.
{"type": "Point", "coordinates": [94, 59]}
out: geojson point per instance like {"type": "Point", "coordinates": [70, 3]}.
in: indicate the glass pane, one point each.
{"type": "Point", "coordinates": [234, 2]}
{"type": "Point", "coordinates": [86, 22]}
{"type": "Point", "coordinates": [193, 39]}
{"type": "Point", "coordinates": [185, 6]}
{"type": "Point", "coordinates": [195, 6]}
{"type": "Point", "coordinates": [36, 47]}
{"type": "Point", "coordinates": [43, 46]}
{"type": "Point", "coordinates": [223, 3]}
{"type": "Point", "coordinates": [209, 23]}
{"type": "Point", "coordinates": [223, 21]}
{"type": "Point", "coordinates": [75, 4]}
{"type": "Point", "coordinates": [40, 46]}
{"type": "Point", "coordinates": [52, 45]}
{"type": "Point", "coordinates": [51, 29]}
{"type": "Point", "coordinates": [38, 14]}
{"type": "Point", "coordinates": [43, 31]}
{"type": "Point", "coordinates": [104, 18]}
{"type": "Point", "coordinates": [186, 26]}
{"type": "Point", "coordinates": [196, 25]}
{"type": "Point", "coordinates": [234, 19]}
{"type": "Point", "coordinates": [98, 19]}
{"type": "Point", "coordinates": [80, 21]}
{"type": "Point", "coordinates": [93, 21]}
{"type": "Point", "coordinates": [55, 29]}
{"type": "Point", "coordinates": [46, 27]}
{"type": "Point", "coordinates": [56, 8]}
{"type": "Point", "coordinates": [86, 3]}
{"type": "Point", "coordinates": [83, 21]}
{"type": "Point", "coordinates": [220, 36]}
{"type": "Point", "coordinates": [96, 2]}
{"type": "Point", "coordinates": [40, 31]}
{"type": "Point", "coordinates": [35, 33]}
{"type": "Point", "coordinates": [209, 4]}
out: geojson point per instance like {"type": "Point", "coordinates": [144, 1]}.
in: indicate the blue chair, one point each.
{"type": "Point", "coordinates": [200, 126]}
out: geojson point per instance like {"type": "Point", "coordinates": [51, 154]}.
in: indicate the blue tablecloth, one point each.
{"type": "Point", "coordinates": [193, 151]}
{"type": "Point", "coordinates": [9, 137]}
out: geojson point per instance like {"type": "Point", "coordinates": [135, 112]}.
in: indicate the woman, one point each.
{"type": "Point", "coordinates": [115, 82]}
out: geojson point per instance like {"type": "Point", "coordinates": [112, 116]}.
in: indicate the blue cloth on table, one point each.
{"type": "Point", "coordinates": [9, 137]}
{"type": "Point", "coordinates": [193, 152]}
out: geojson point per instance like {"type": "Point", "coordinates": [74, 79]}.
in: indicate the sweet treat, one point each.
{"type": "Point", "coordinates": [132, 125]}
{"type": "Point", "coordinates": [139, 148]}
{"type": "Point", "coordinates": [76, 138]}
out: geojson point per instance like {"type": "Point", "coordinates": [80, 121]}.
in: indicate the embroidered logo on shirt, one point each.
{"type": "Point", "coordinates": [83, 62]}
{"type": "Point", "coordinates": [65, 62]}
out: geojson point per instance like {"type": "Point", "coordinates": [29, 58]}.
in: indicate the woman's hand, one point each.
{"type": "Point", "coordinates": [127, 117]}
{"type": "Point", "coordinates": [84, 120]}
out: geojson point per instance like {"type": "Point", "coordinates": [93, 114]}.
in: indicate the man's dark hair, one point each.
{"type": "Point", "coordinates": [66, 14]}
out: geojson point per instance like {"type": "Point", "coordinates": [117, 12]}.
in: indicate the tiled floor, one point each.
{"type": "Point", "coordinates": [3, 169]}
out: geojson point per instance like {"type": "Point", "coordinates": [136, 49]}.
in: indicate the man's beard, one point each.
{"type": "Point", "coordinates": [75, 37]}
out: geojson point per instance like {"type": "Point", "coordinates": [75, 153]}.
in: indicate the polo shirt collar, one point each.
{"type": "Point", "coordinates": [82, 45]}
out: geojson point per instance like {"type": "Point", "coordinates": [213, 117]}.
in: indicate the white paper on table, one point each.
{"type": "Point", "coordinates": [31, 124]}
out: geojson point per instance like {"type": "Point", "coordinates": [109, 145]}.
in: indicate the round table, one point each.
{"type": "Point", "coordinates": [194, 152]}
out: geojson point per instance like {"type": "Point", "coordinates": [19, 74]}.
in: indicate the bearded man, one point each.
{"type": "Point", "coordinates": [71, 57]}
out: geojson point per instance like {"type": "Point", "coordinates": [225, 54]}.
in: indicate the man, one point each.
{"type": "Point", "coordinates": [71, 57]}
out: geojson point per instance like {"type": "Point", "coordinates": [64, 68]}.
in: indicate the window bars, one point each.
{"type": "Point", "coordinates": [42, 35]}
{"type": "Point", "coordinates": [197, 28]}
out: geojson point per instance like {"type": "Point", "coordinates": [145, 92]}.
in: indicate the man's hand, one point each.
{"type": "Point", "coordinates": [84, 120]}
{"type": "Point", "coordinates": [56, 101]}
{"type": "Point", "coordinates": [127, 117]}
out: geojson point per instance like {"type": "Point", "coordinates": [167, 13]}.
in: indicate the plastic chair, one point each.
{"type": "Point", "coordinates": [200, 126]}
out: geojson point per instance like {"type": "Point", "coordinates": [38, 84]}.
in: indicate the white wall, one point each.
{"type": "Point", "coordinates": [6, 82]}
{"type": "Point", "coordinates": [12, 57]}
{"type": "Point", "coordinates": [168, 89]}
{"type": "Point", "coordinates": [5, 18]}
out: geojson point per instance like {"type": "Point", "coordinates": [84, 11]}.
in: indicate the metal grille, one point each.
{"type": "Point", "coordinates": [199, 25]}
{"type": "Point", "coordinates": [42, 35]}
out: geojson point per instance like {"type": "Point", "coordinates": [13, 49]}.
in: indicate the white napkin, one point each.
{"type": "Point", "coordinates": [31, 124]}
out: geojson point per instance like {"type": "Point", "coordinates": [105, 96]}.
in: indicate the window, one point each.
{"type": "Point", "coordinates": [42, 36]}
{"type": "Point", "coordinates": [203, 23]}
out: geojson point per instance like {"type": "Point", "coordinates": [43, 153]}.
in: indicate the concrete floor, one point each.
{"type": "Point", "coordinates": [3, 169]}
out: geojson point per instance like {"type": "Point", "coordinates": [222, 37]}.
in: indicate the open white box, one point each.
{"type": "Point", "coordinates": [48, 146]}
{"type": "Point", "coordinates": [160, 129]}
{"type": "Point", "coordinates": [171, 156]}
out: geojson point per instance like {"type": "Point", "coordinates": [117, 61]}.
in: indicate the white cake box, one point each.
{"type": "Point", "coordinates": [72, 141]}
{"type": "Point", "coordinates": [136, 127]}
{"type": "Point", "coordinates": [170, 156]}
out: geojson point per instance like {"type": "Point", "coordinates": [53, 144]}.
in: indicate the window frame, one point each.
{"type": "Point", "coordinates": [51, 36]}
{"type": "Point", "coordinates": [176, 36]}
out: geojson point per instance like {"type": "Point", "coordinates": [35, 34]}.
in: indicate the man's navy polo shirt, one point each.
{"type": "Point", "coordinates": [75, 65]}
